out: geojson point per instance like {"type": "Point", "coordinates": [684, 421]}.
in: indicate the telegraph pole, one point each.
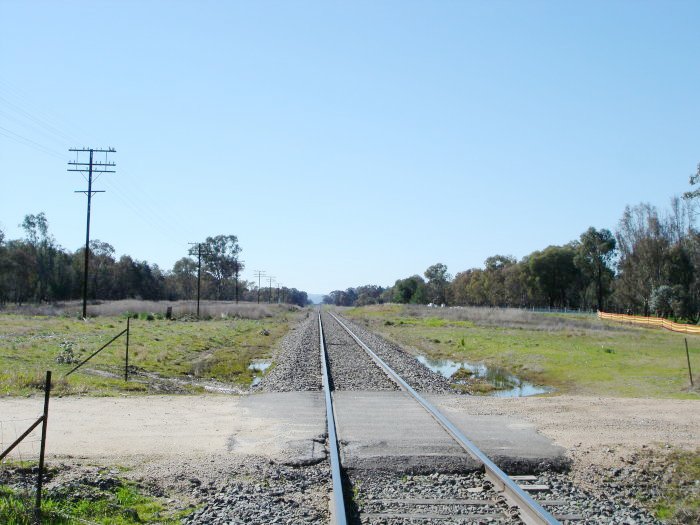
{"type": "Point", "coordinates": [199, 270]}
{"type": "Point", "coordinates": [269, 298]}
{"type": "Point", "coordinates": [91, 168]}
{"type": "Point", "coordinates": [238, 269]}
{"type": "Point", "coordinates": [259, 274]}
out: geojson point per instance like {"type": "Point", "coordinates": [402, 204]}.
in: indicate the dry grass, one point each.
{"type": "Point", "coordinates": [511, 318]}
{"type": "Point", "coordinates": [575, 353]}
{"type": "Point", "coordinates": [208, 309]}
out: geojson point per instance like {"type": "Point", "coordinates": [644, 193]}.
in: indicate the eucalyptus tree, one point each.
{"type": "Point", "coordinates": [556, 274]}
{"type": "Point", "coordinates": [184, 277]}
{"type": "Point", "coordinates": [410, 290]}
{"type": "Point", "coordinates": [438, 281]}
{"type": "Point", "coordinates": [594, 256]}
{"type": "Point", "coordinates": [644, 245]}
{"type": "Point", "coordinates": [220, 261]}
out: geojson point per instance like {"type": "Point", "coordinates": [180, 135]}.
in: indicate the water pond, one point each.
{"type": "Point", "coordinates": [258, 366]}
{"type": "Point", "coordinates": [504, 383]}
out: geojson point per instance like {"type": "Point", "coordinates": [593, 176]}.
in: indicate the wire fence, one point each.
{"type": "Point", "coordinates": [27, 435]}
{"type": "Point", "coordinates": [651, 322]}
{"type": "Point", "coordinates": [16, 474]}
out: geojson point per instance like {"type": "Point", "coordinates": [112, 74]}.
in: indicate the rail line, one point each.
{"type": "Point", "coordinates": [529, 511]}
{"type": "Point", "coordinates": [339, 512]}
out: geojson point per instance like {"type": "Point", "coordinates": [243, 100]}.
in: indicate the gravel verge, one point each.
{"type": "Point", "coordinates": [210, 489]}
{"type": "Point", "coordinates": [414, 373]}
{"type": "Point", "coordinates": [297, 363]}
{"type": "Point", "coordinates": [350, 366]}
{"type": "Point", "coordinates": [567, 502]}
{"type": "Point", "coordinates": [262, 493]}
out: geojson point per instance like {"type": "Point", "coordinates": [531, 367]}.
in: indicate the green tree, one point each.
{"type": "Point", "coordinates": [410, 290]}
{"type": "Point", "coordinates": [42, 250]}
{"type": "Point", "coordinates": [101, 266]}
{"type": "Point", "coordinates": [184, 275]}
{"type": "Point", "coordinates": [694, 179]}
{"type": "Point", "coordinates": [220, 261]}
{"type": "Point", "coordinates": [438, 281]}
{"type": "Point", "coordinates": [555, 273]}
{"type": "Point", "coordinates": [594, 255]}
{"type": "Point", "coordinates": [644, 246]}
{"type": "Point", "coordinates": [495, 279]}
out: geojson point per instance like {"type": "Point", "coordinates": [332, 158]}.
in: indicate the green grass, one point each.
{"type": "Point", "coordinates": [680, 502]}
{"type": "Point", "coordinates": [574, 354]}
{"type": "Point", "coordinates": [219, 349]}
{"type": "Point", "coordinates": [123, 505]}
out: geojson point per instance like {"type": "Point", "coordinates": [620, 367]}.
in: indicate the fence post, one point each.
{"type": "Point", "coordinates": [126, 366]}
{"type": "Point", "coordinates": [687, 355]}
{"type": "Point", "coordinates": [40, 477]}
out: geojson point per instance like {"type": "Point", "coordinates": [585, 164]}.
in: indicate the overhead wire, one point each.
{"type": "Point", "coordinates": [29, 142]}
{"type": "Point", "coordinates": [42, 118]}
{"type": "Point", "coordinates": [54, 131]}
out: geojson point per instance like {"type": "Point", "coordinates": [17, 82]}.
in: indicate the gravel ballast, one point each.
{"type": "Point", "coordinates": [297, 362]}
{"type": "Point", "coordinates": [414, 373]}
{"type": "Point", "coordinates": [351, 368]}
{"type": "Point", "coordinates": [379, 495]}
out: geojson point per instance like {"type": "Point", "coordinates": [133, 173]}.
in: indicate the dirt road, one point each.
{"type": "Point", "coordinates": [109, 428]}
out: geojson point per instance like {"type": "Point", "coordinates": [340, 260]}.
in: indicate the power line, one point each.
{"type": "Point", "coordinates": [259, 274]}
{"type": "Point", "coordinates": [51, 128]}
{"type": "Point", "coordinates": [40, 117]}
{"type": "Point", "coordinates": [238, 263]}
{"type": "Point", "coordinates": [269, 297]}
{"type": "Point", "coordinates": [29, 142]}
{"type": "Point", "coordinates": [91, 168]}
{"type": "Point", "coordinates": [199, 271]}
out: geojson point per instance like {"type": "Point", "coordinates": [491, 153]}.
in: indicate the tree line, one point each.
{"type": "Point", "coordinates": [36, 269]}
{"type": "Point", "coordinates": [649, 266]}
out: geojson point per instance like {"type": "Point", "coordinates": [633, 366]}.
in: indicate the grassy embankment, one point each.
{"type": "Point", "coordinates": [120, 502]}
{"type": "Point", "coordinates": [219, 348]}
{"type": "Point", "coordinates": [576, 354]}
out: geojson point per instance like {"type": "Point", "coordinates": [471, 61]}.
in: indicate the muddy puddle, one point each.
{"type": "Point", "coordinates": [503, 383]}
{"type": "Point", "coordinates": [259, 366]}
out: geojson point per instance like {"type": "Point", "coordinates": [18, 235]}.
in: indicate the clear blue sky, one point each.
{"type": "Point", "coordinates": [346, 143]}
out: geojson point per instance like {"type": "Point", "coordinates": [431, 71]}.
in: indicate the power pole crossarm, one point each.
{"type": "Point", "coordinates": [90, 168]}
{"type": "Point", "coordinates": [199, 271]}
{"type": "Point", "coordinates": [259, 274]}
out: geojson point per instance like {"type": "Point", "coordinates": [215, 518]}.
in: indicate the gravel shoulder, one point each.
{"type": "Point", "coordinates": [594, 430]}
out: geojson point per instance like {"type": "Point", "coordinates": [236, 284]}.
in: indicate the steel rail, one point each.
{"type": "Point", "coordinates": [531, 512]}
{"type": "Point", "coordinates": [339, 516]}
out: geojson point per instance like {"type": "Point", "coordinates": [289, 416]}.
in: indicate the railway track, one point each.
{"type": "Point", "coordinates": [490, 496]}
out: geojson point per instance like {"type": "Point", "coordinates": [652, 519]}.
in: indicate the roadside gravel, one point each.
{"type": "Point", "coordinates": [351, 368]}
{"type": "Point", "coordinates": [297, 364]}
{"type": "Point", "coordinates": [262, 492]}
{"type": "Point", "coordinates": [382, 493]}
{"type": "Point", "coordinates": [414, 373]}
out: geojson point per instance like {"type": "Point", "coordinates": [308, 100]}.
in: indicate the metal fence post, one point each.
{"type": "Point", "coordinates": [126, 366]}
{"type": "Point", "coordinates": [687, 356]}
{"type": "Point", "coordinates": [40, 475]}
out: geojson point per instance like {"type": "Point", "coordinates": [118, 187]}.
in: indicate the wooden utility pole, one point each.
{"type": "Point", "coordinates": [259, 274]}
{"type": "Point", "coordinates": [199, 271]}
{"type": "Point", "coordinates": [90, 168]}
{"type": "Point", "coordinates": [238, 264]}
{"type": "Point", "coordinates": [269, 298]}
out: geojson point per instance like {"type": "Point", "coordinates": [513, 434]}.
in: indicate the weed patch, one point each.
{"type": "Point", "coordinates": [574, 354]}
{"type": "Point", "coordinates": [219, 349]}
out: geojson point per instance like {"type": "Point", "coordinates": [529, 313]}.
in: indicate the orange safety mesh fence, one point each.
{"type": "Point", "coordinates": [652, 322]}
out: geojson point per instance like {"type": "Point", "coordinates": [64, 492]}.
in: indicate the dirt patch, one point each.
{"type": "Point", "coordinates": [604, 436]}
